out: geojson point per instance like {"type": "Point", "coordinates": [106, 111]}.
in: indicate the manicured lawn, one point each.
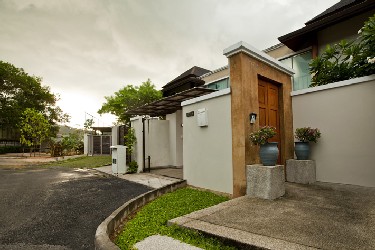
{"type": "Point", "coordinates": [152, 219]}
{"type": "Point", "coordinates": [83, 162]}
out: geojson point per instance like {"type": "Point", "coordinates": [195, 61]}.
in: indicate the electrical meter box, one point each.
{"type": "Point", "coordinates": [202, 117]}
{"type": "Point", "coordinates": [118, 159]}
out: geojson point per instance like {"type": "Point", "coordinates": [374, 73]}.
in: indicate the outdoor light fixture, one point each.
{"type": "Point", "coordinates": [252, 117]}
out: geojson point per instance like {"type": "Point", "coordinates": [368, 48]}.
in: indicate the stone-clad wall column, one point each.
{"type": "Point", "coordinates": [246, 65]}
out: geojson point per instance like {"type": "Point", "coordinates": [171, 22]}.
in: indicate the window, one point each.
{"type": "Point", "coordinates": [300, 63]}
{"type": "Point", "coordinates": [221, 84]}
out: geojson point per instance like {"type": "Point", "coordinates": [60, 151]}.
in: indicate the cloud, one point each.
{"type": "Point", "coordinates": [92, 48]}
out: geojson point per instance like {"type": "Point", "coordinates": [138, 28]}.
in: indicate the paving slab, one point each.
{"type": "Point", "coordinates": [148, 179]}
{"type": "Point", "coordinates": [158, 242]}
{"type": "Point", "coordinates": [321, 215]}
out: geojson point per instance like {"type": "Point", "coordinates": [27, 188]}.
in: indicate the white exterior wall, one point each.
{"type": "Point", "coordinates": [346, 117]}
{"type": "Point", "coordinates": [136, 124]}
{"type": "Point", "coordinates": [157, 143]}
{"type": "Point", "coordinates": [207, 151]}
{"type": "Point", "coordinates": [115, 135]}
{"type": "Point", "coordinates": [175, 138]}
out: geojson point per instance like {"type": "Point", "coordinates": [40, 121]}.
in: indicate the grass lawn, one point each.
{"type": "Point", "coordinates": [152, 219]}
{"type": "Point", "coordinates": [83, 162]}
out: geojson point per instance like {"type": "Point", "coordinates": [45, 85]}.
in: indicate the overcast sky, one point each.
{"type": "Point", "coordinates": [87, 49]}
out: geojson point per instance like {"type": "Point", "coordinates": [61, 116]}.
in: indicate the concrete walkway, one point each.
{"type": "Point", "coordinates": [322, 215]}
{"type": "Point", "coordinates": [148, 179]}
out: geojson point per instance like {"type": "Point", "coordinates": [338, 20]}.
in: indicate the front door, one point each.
{"type": "Point", "coordinates": [268, 95]}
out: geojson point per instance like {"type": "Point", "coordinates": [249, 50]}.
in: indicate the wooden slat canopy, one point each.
{"type": "Point", "coordinates": [170, 104]}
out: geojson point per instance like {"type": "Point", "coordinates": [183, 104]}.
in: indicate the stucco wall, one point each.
{"type": "Point", "coordinates": [156, 142]}
{"type": "Point", "coordinates": [208, 150]}
{"type": "Point", "coordinates": [345, 115]}
{"type": "Point", "coordinates": [217, 75]}
{"type": "Point", "coordinates": [175, 138]}
{"type": "Point", "coordinates": [280, 52]}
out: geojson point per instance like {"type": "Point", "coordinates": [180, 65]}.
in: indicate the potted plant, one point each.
{"type": "Point", "coordinates": [268, 150]}
{"type": "Point", "coordinates": [305, 135]}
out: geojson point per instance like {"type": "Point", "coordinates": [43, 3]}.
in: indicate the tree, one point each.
{"type": "Point", "coordinates": [128, 98]}
{"type": "Point", "coordinates": [73, 143]}
{"type": "Point", "coordinates": [88, 124]}
{"type": "Point", "coordinates": [20, 91]}
{"type": "Point", "coordinates": [34, 128]}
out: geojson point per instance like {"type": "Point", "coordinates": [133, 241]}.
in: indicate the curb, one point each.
{"type": "Point", "coordinates": [111, 223]}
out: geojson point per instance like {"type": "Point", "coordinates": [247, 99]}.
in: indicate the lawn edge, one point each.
{"type": "Point", "coordinates": [111, 223]}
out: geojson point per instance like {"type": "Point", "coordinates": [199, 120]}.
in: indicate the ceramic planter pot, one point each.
{"type": "Point", "coordinates": [302, 150]}
{"type": "Point", "coordinates": [269, 153]}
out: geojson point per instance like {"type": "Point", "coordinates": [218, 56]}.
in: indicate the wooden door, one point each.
{"type": "Point", "coordinates": [268, 95]}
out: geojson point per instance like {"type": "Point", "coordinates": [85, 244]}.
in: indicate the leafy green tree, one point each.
{"type": "Point", "coordinates": [73, 143]}
{"type": "Point", "coordinates": [88, 124]}
{"type": "Point", "coordinates": [128, 98]}
{"type": "Point", "coordinates": [34, 128]}
{"type": "Point", "coordinates": [20, 91]}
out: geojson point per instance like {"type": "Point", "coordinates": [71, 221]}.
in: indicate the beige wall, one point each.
{"type": "Point", "coordinates": [208, 150]}
{"type": "Point", "coordinates": [346, 118]}
{"type": "Point", "coordinates": [280, 52]}
{"type": "Point", "coordinates": [216, 76]}
{"type": "Point", "coordinates": [347, 30]}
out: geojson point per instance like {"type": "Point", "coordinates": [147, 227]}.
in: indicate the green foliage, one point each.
{"type": "Point", "coordinates": [346, 60]}
{"type": "Point", "coordinates": [73, 143]}
{"type": "Point", "coordinates": [20, 91]}
{"type": "Point", "coordinates": [128, 98]}
{"type": "Point", "coordinates": [34, 128]}
{"type": "Point", "coordinates": [88, 124]}
{"type": "Point", "coordinates": [152, 219]}
{"type": "Point", "coordinates": [83, 162]}
{"type": "Point", "coordinates": [130, 140]}
{"type": "Point", "coordinates": [133, 167]}
{"type": "Point", "coordinates": [307, 134]}
{"type": "Point", "coordinates": [56, 149]}
{"type": "Point", "coordinates": [262, 136]}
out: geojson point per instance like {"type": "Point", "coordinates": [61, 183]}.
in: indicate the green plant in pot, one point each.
{"type": "Point", "coordinates": [268, 150]}
{"type": "Point", "coordinates": [305, 135]}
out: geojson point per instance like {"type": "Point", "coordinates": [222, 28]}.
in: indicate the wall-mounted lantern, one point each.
{"type": "Point", "coordinates": [253, 118]}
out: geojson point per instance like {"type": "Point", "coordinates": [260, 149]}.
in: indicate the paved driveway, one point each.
{"type": "Point", "coordinates": [57, 208]}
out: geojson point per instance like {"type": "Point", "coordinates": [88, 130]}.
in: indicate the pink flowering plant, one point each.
{"type": "Point", "coordinates": [261, 136]}
{"type": "Point", "coordinates": [307, 134]}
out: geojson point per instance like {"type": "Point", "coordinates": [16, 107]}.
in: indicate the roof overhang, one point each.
{"type": "Point", "coordinates": [170, 104]}
{"type": "Point", "coordinates": [305, 36]}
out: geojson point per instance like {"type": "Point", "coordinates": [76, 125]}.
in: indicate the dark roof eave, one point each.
{"type": "Point", "coordinates": [302, 38]}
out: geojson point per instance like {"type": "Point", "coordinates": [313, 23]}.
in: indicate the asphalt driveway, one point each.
{"type": "Point", "coordinates": [58, 208]}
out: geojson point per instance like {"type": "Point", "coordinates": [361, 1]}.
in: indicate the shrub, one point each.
{"type": "Point", "coordinates": [307, 134]}
{"type": "Point", "coordinates": [346, 60]}
{"type": "Point", "coordinates": [261, 136]}
{"type": "Point", "coordinates": [133, 167]}
{"type": "Point", "coordinates": [10, 149]}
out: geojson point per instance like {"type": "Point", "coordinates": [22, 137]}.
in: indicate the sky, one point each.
{"type": "Point", "coordinates": [88, 49]}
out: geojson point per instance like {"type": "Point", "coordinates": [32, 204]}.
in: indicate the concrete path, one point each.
{"type": "Point", "coordinates": [322, 215]}
{"type": "Point", "coordinates": [148, 179]}
{"type": "Point", "coordinates": [158, 242]}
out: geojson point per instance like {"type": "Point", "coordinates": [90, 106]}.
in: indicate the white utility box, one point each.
{"type": "Point", "coordinates": [118, 159]}
{"type": "Point", "coordinates": [202, 117]}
